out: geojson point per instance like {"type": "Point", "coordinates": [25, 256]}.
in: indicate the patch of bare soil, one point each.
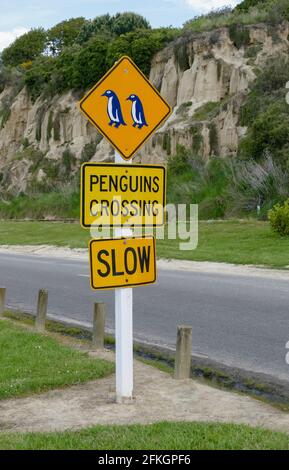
{"type": "Point", "coordinates": [158, 397]}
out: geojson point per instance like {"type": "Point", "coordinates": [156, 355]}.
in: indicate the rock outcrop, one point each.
{"type": "Point", "coordinates": [205, 77]}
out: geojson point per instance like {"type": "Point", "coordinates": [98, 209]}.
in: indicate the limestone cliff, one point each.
{"type": "Point", "coordinates": [205, 78]}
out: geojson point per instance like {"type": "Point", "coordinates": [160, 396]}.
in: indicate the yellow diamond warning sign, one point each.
{"type": "Point", "coordinates": [115, 195]}
{"type": "Point", "coordinates": [122, 262]}
{"type": "Point", "coordinates": [125, 107]}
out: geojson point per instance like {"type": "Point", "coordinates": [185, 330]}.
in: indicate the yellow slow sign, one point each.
{"type": "Point", "coordinates": [122, 195]}
{"type": "Point", "coordinates": [122, 262]}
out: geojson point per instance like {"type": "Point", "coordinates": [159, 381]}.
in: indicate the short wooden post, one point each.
{"type": "Point", "coordinates": [98, 331]}
{"type": "Point", "coordinates": [2, 300]}
{"type": "Point", "coordinates": [183, 353]}
{"type": "Point", "coordinates": [41, 310]}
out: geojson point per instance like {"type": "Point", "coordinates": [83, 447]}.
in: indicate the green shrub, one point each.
{"type": "Point", "coordinates": [119, 24]}
{"type": "Point", "coordinates": [247, 4]}
{"type": "Point", "coordinates": [76, 53]}
{"type": "Point", "coordinates": [36, 157]}
{"type": "Point", "coordinates": [126, 22]}
{"type": "Point", "coordinates": [181, 56]}
{"type": "Point", "coordinates": [278, 12]}
{"type": "Point", "coordinates": [100, 24]}
{"type": "Point", "coordinates": [49, 126]}
{"type": "Point", "coordinates": [279, 218]}
{"type": "Point", "coordinates": [207, 111]}
{"type": "Point", "coordinates": [89, 63]}
{"type": "Point", "coordinates": [39, 121]}
{"type": "Point", "coordinates": [56, 128]}
{"type": "Point", "coordinates": [226, 16]}
{"type": "Point", "coordinates": [209, 21]}
{"type": "Point", "coordinates": [140, 45]}
{"type": "Point", "coordinates": [38, 78]}
{"type": "Point", "coordinates": [25, 48]}
{"type": "Point", "coordinates": [252, 51]}
{"type": "Point", "coordinates": [239, 35]}
{"type": "Point", "coordinates": [184, 107]}
{"type": "Point", "coordinates": [268, 133]}
{"type": "Point", "coordinates": [266, 115]}
{"type": "Point", "coordinates": [68, 160]}
{"type": "Point", "coordinates": [213, 138]}
{"type": "Point", "coordinates": [197, 140]}
{"type": "Point", "coordinates": [167, 142]}
{"type": "Point", "coordinates": [88, 151]}
{"type": "Point", "coordinates": [4, 116]}
{"type": "Point", "coordinates": [191, 180]}
{"type": "Point", "coordinates": [25, 143]}
{"type": "Point", "coordinates": [62, 203]}
{"type": "Point", "coordinates": [180, 163]}
{"type": "Point", "coordinates": [273, 76]}
{"type": "Point", "coordinates": [253, 184]}
{"type": "Point", "coordinates": [64, 34]}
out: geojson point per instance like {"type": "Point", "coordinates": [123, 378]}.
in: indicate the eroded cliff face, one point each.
{"type": "Point", "coordinates": [204, 77]}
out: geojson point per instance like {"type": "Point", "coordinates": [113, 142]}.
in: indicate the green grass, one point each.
{"type": "Point", "coordinates": [47, 233]}
{"type": "Point", "coordinates": [33, 363]}
{"type": "Point", "coordinates": [159, 436]}
{"type": "Point", "coordinates": [61, 204]}
{"type": "Point", "coordinates": [264, 11]}
{"type": "Point", "coordinates": [247, 242]}
{"type": "Point", "coordinates": [207, 111]}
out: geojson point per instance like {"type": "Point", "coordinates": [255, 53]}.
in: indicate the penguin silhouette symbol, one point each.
{"type": "Point", "coordinates": [114, 109]}
{"type": "Point", "coordinates": [137, 112]}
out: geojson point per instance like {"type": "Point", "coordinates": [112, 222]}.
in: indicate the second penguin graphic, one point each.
{"type": "Point", "coordinates": [137, 112]}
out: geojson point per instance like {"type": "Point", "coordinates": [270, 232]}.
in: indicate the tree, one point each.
{"type": "Point", "coordinates": [27, 47]}
{"type": "Point", "coordinates": [140, 45]}
{"type": "Point", "coordinates": [90, 62]}
{"type": "Point", "coordinates": [247, 4]}
{"type": "Point", "coordinates": [38, 77]}
{"type": "Point", "coordinates": [63, 76]}
{"type": "Point", "coordinates": [64, 34]}
{"type": "Point", "coordinates": [121, 23]}
{"type": "Point", "coordinates": [117, 48]}
{"type": "Point", "coordinates": [268, 133]}
{"type": "Point", "coordinates": [100, 24]}
{"type": "Point", "coordinates": [126, 22]}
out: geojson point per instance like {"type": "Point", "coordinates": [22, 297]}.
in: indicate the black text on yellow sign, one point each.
{"type": "Point", "coordinates": [122, 262]}
{"type": "Point", "coordinates": [115, 195]}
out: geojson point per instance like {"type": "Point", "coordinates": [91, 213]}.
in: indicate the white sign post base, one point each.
{"type": "Point", "coordinates": [123, 328]}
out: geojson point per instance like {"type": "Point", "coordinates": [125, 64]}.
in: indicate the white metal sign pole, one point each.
{"type": "Point", "coordinates": [123, 327]}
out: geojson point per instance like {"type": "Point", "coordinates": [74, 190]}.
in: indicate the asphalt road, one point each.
{"type": "Point", "coordinates": [240, 321]}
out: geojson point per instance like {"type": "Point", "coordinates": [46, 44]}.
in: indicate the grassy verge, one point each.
{"type": "Point", "coordinates": [32, 363]}
{"type": "Point", "coordinates": [261, 387]}
{"type": "Point", "coordinates": [163, 436]}
{"type": "Point", "coordinates": [63, 205]}
{"type": "Point", "coordinates": [240, 242]}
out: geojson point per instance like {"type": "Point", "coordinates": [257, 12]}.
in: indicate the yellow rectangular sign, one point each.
{"type": "Point", "coordinates": [122, 262]}
{"type": "Point", "coordinates": [115, 195]}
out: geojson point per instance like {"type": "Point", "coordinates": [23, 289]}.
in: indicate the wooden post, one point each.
{"type": "Point", "coordinates": [2, 300]}
{"type": "Point", "coordinates": [183, 353]}
{"type": "Point", "coordinates": [98, 331]}
{"type": "Point", "coordinates": [41, 310]}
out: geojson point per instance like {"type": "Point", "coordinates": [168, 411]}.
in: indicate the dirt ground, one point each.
{"type": "Point", "coordinates": [157, 397]}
